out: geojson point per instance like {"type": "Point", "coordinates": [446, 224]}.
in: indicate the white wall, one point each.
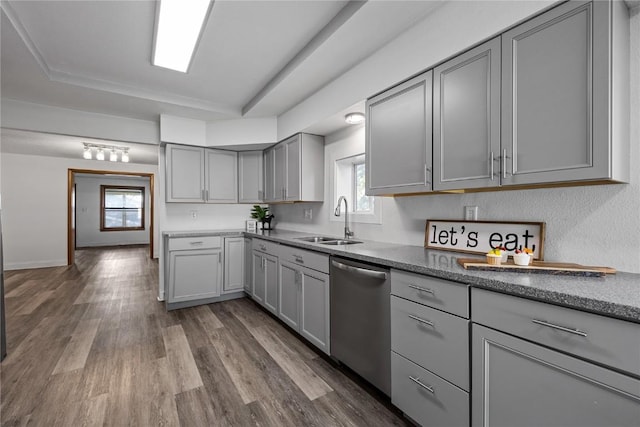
{"type": "Point", "coordinates": [34, 208]}
{"type": "Point", "coordinates": [242, 132]}
{"type": "Point", "coordinates": [88, 212]}
{"type": "Point", "coordinates": [453, 27]}
{"type": "Point", "coordinates": [44, 118]}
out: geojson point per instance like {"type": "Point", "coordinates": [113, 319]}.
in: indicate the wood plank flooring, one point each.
{"type": "Point", "coordinates": [90, 345]}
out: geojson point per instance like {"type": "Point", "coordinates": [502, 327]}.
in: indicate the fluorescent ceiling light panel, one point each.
{"type": "Point", "coordinates": [178, 29]}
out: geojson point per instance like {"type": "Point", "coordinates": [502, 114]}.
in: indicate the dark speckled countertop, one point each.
{"type": "Point", "coordinates": [616, 295]}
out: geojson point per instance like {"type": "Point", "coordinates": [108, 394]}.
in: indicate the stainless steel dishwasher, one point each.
{"type": "Point", "coordinates": [360, 320]}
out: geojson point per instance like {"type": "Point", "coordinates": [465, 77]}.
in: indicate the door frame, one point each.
{"type": "Point", "coordinates": [71, 175]}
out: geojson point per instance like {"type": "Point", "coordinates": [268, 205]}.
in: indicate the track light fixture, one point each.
{"type": "Point", "coordinates": [100, 152]}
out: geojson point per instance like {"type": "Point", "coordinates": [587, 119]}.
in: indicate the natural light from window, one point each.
{"type": "Point", "coordinates": [350, 182]}
{"type": "Point", "coordinates": [122, 208]}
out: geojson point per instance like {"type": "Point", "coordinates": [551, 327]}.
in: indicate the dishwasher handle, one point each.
{"type": "Point", "coordinates": [358, 270]}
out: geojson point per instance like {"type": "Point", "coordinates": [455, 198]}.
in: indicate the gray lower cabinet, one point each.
{"type": "Point", "coordinates": [250, 177]}
{"type": "Point", "coordinates": [563, 76]}
{"type": "Point", "coordinates": [248, 266]}
{"type": "Point", "coordinates": [537, 364]}
{"type": "Point", "coordinates": [426, 398]}
{"type": "Point", "coordinates": [430, 379]}
{"type": "Point", "coordinates": [265, 274]}
{"type": "Point", "coordinates": [399, 138]}
{"type": "Point", "coordinates": [194, 271]}
{"type": "Point", "coordinates": [518, 383]}
{"type": "Point", "coordinates": [304, 294]}
{"type": "Point", "coordinates": [466, 119]}
{"type": "Point", "coordinates": [258, 275]}
{"type": "Point", "coordinates": [234, 269]}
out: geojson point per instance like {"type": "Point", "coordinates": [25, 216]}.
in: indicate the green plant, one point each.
{"type": "Point", "coordinates": [260, 213]}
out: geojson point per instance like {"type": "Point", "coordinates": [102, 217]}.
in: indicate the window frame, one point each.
{"type": "Point", "coordinates": [103, 190]}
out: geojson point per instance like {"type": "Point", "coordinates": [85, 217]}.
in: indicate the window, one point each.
{"type": "Point", "coordinates": [350, 175]}
{"type": "Point", "coordinates": [363, 203]}
{"type": "Point", "coordinates": [121, 208]}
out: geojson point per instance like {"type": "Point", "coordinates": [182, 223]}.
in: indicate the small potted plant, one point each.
{"type": "Point", "coordinates": [262, 215]}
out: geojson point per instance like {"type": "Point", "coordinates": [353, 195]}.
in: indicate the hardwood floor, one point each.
{"type": "Point", "coordinates": [91, 345]}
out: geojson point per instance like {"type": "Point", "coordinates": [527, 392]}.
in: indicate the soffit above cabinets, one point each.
{"type": "Point", "coordinates": [255, 58]}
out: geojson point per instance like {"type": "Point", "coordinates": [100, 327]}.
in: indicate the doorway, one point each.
{"type": "Point", "coordinates": [71, 206]}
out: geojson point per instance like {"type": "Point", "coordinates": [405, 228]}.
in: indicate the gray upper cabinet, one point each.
{"type": "Point", "coordinates": [399, 138]}
{"type": "Point", "coordinates": [466, 119]}
{"type": "Point", "coordinates": [221, 184]}
{"type": "Point", "coordinates": [185, 174]}
{"type": "Point", "coordinates": [294, 170]}
{"type": "Point", "coordinates": [199, 175]}
{"type": "Point", "coordinates": [563, 76]}
{"type": "Point", "coordinates": [250, 177]}
{"type": "Point", "coordinates": [269, 157]}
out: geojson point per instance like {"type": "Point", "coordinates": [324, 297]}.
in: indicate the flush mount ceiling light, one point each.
{"type": "Point", "coordinates": [100, 149]}
{"type": "Point", "coordinates": [354, 118]}
{"type": "Point", "coordinates": [179, 25]}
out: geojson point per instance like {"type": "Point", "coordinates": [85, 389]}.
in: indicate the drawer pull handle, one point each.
{"type": "Point", "coordinates": [299, 259]}
{"type": "Point", "coordinates": [200, 242]}
{"type": "Point", "coordinates": [421, 289]}
{"type": "Point", "coordinates": [263, 247]}
{"type": "Point", "coordinates": [418, 319]}
{"type": "Point", "coordinates": [421, 384]}
{"type": "Point", "coordinates": [561, 328]}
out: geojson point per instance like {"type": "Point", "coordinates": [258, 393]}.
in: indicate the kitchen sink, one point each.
{"type": "Point", "coordinates": [340, 242]}
{"type": "Point", "coordinates": [318, 239]}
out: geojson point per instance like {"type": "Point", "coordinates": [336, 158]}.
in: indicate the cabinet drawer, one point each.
{"type": "Point", "coordinates": [425, 397]}
{"type": "Point", "coordinates": [190, 243]}
{"type": "Point", "coordinates": [265, 246]}
{"type": "Point", "coordinates": [433, 339]}
{"type": "Point", "coordinates": [609, 341]}
{"type": "Point", "coordinates": [313, 260]}
{"type": "Point", "coordinates": [442, 294]}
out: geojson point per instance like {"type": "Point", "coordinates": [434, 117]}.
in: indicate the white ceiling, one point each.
{"type": "Point", "coordinates": [255, 58]}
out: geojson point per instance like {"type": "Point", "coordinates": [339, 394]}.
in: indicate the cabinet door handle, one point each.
{"type": "Point", "coordinates": [202, 194]}
{"type": "Point", "coordinates": [199, 242]}
{"type": "Point", "coordinates": [504, 163]}
{"type": "Point", "coordinates": [560, 328]}
{"type": "Point", "coordinates": [421, 384]}
{"type": "Point", "coordinates": [418, 319]}
{"type": "Point", "coordinates": [426, 174]}
{"type": "Point", "coordinates": [220, 258]}
{"type": "Point", "coordinates": [491, 160]}
{"type": "Point", "coordinates": [421, 289]}
{"type": "Point", "coordinates": [262, 263]}
{"type": "Point", "coordinates": [260, 195]}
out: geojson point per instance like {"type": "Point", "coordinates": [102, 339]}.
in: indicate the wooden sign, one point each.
{"type": "Point", "coordinates": [479, 237]}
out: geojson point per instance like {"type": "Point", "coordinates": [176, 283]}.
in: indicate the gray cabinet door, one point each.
{"type": "Point", "coordinates": [517, 383]}
{"type": "Point", "coordinates": [233, 264]}
{"type": "Point", "coordinates": [269, 175]}
{"type": "Point", "coordinates": [185, 169]}
{"type": "Point", "coordinates": [258, 275]}
{"type": "Point", "coordinates": [250, 177]}
{"type": "Point", "coordinates": [289, 289]}
{"type": "Point", "coordinates": [280, 171]}
{"type": "Point", "coordinates": [314, 302]}
{"type": "Point", "coordinates": [194, 274]}
{"type": "Point", "coordinates": [248, 266]}
{"type": "Point", "coordinates": [552, 111]}
{"type": "Point", "coordinates": [271, 283]}
{"type": "Point", "coordinates": [398, 138]}
{"type": "Point", "coordinates": [221, 177]}
{"type": "Point", "coordinates": [293, 168]}
{"type": "Point", "coordinates": [466, 119]}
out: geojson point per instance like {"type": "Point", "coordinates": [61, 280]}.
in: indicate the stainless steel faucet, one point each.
{"type": "Point", "coordinates": [347, 233]}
